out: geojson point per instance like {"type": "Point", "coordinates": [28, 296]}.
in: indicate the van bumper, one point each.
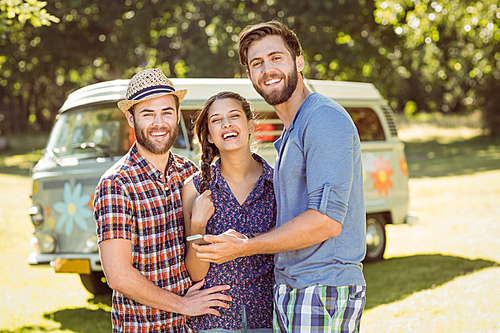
{"type": "Point", "coordinates": [35, 258]}
{"type": "Point", "coordinates": [411, 218]}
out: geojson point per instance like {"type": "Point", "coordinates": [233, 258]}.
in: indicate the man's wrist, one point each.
{"type": "Point", "coordinates": [248, 246]}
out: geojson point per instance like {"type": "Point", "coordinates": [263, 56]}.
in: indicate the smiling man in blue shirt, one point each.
{"type": "Point", "coordinates": [319, 240]}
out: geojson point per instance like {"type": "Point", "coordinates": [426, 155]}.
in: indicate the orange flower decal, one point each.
{"type": "Point", "coordinates": [381, 176]}
{"type": "Point", "coordinates": [90, 204]}
{"type": "Point", "coordinates": [404, 166]}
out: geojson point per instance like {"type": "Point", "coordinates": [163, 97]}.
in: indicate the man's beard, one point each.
{"type": "Point", "coordinates": [279, 97]}
{"type": "Point", "coordinates": [143, 139]}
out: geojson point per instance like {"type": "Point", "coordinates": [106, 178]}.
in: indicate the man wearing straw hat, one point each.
{"type": "Point", "coordinates": [138, 211]}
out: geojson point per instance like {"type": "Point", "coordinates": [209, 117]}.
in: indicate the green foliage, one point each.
{"type": "Point", "coordinates": [15, 13]}
{"type": "Point", "coordinates": [452, 54]}
{"type": "Point", "coordinates": [410, 109]}
{"type": "Point", "coordinates": [440, 56]}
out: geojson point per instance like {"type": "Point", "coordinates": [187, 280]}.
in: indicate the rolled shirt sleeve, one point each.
{"type": "Point", "coordinates": [328, 149]}
{"type": "Point", "coordinates": [112, 211]}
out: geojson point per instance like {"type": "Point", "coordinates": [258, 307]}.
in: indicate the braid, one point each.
{"type": "Point", "coordinates": [207, 157]}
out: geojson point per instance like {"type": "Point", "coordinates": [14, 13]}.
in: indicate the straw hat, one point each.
{"type": "Point", "coordinates": [147, 84]}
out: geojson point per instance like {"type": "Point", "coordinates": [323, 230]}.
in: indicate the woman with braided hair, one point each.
{"type": "Point", "coordinates": [233, 193]}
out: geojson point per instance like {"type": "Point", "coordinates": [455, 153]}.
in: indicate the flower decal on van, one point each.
{"type": "Point", "coordinates": [381, 176]}
{"type": "Point", "coordinates": [73, 210]}
{"type": "Point", "coordinates": [90, 204]}
{"type": "Point", "coordinates": [404, 166]}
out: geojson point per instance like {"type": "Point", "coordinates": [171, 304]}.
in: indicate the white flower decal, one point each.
{"type": "Point", "coordinates": [73, 209]}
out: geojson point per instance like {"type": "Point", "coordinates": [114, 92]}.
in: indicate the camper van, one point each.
{"type": "Point", "coordinates": [91, 134]}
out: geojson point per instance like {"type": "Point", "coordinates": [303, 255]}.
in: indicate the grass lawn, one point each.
{"type": "Point", "coordinates": [438, 276]}
{"type": "Point", "coordinates": [24, 152]}
{"type": "Point", "coordinates": [442, 274]}
{"type": "Point", "coordinates": [438, 146]}
{"type": "Point", "coordinates": [458, 157]}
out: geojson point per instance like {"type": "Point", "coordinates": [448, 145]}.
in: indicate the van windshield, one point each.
{"type": "Point", "coordinates": [91, 132]}
{"type": "Point", "coordinates": [97, 131]}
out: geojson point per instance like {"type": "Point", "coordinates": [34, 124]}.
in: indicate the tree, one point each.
{"type": "Point", "coordinates": [14, 29]}
{"type": "Point", "coordinates": [15, 13]}
{"type": "Point", "coordinates": [452, 49]}
{"type": "Point", "coordinates": [422, 55]}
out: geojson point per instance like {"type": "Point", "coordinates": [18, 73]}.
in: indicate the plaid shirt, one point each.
{"type": "Point", "coordinates": [132, 202]}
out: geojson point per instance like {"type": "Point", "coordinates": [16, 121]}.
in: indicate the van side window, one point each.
{"type": "Point", "coordinates": [367, 123]}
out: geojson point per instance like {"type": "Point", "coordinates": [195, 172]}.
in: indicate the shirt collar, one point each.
{"type": "Point", "coordinates": [298, 115]}
{"type": "Point", "coordinates": [296, 120]}
{"type": "Point", "coordinates": [267, 170]}
{"type": "Point", "coordinates": [146, 166]}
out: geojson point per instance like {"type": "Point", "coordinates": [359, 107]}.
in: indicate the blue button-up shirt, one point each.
{"type": "Point", "coordinates": [319, 167]}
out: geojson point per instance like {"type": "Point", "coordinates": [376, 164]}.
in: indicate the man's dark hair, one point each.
{"type": "Point", "coordinates": [257, 32]}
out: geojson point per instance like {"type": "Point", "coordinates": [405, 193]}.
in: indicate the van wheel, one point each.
{"type": "Point", "coordinates": [95, 283]}
{"type": "Point", "coordinates": [375, 238]}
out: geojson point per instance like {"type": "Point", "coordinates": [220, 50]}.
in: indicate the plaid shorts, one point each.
{"type": "Point", "coordinates": [318, 308]}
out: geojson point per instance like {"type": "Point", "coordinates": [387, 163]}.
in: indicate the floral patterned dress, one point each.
{"type": "Point", "coordinates": [251, 278]}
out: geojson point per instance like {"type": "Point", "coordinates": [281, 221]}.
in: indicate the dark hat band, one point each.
{"type": "Point", "coordinates": [151, 91]}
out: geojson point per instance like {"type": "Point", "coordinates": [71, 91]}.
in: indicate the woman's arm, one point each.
{"type": "Point", "coordinates": [197, 211]}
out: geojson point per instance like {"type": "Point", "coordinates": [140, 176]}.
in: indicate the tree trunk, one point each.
{"type": "Point", "coordinates": [491, 113]}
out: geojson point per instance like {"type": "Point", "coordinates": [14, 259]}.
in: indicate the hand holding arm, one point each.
{"type": "Point", "coordinates": [116, 258]}
{"type": "Point", "coordinates": [225, 247]}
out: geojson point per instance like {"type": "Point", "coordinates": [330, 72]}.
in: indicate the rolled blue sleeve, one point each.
{"type": "Point", "coordinates": [328, 148]}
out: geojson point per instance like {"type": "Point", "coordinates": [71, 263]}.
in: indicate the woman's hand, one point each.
{"type": "Point", "coordinates": [203, 209]}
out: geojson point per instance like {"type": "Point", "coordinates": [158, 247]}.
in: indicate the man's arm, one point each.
{"type": "Point", "coordinates": [330, 133]}
{"type": "Point", "coordinates": [116, 258]}
{"type": "Point", "coordinates": [306, 229]}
